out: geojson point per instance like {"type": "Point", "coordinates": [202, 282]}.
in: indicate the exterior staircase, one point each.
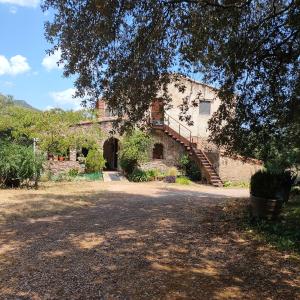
{"type": "Point", "coordinates": [183, 135]}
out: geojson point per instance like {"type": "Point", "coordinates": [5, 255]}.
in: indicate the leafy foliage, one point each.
{"type": "Point", "coordinates": [284, 234]}
{"type": "Point", "coordinates": [189, 168]}
{"type": "Point", "coordinates": [269, 185]}
{"type": "Point", "coordinates": [134, 150]}
{"type": "Point", "coordinates": [240, 184]}
{"type": "Point", "coordinates": [139, 175]}
{"type": "Point", "coordinates": [183, 180]}
{"type": "Point", "coordinates": [73, 172]}
{"type": "Point", "coordinates": [95, 161]}
{"type": "Point", "coordinates": [18, 164]}
{"type": "Point", "coordinates": [249, 49]}
{"type": "Point", "coordinates": [55, 129]}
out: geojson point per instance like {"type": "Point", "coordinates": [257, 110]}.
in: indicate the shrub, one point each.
{"type": "Point", "coordinates": [128, 165]}
{"type": "Point", "coordinates": [61, 177]}
{"type": "Point", "coordinates": [189, 168]}
{"type": "Point", "coordinates": [46, 176]}
{"type": "Point", "coordinates": [184, 161]}
{"type": "Point", "coordinates": [139, 175]}
{"type": "Point", "coordinates": [18, 164]}
{"type": "Point", "coordinates": [172, 172]}
{"type": "Point", "coordinates": [73, 172]}
{"type": "Point", "coordinates": [95, 161]}
{"type": "Point", "coordinates": [134, 150]}
{"type": "Point", "coordinates": [183, 180]}
{"type": "Point", "coordinates": [152, 174]}
{"type": "Point", "coordinates": [269, 185]}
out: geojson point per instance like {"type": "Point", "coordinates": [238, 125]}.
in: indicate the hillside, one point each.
{"type": "Point", "coordinates": [23, 103]}
{"type": "Point", "coordinates": [9, 100]}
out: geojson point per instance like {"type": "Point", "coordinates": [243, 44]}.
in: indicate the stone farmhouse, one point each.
{"type": "Point", "coordinates": [172, 138]}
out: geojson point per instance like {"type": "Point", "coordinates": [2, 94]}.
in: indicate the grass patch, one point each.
{"type": "Point", "coordinates": [230, 184]}
{"type": "Point", "coordinates": [183, 180]}
{"type": "Point", "coordinates": [65, 177]}
{"type": "Point", "coordinates": [284, 233]}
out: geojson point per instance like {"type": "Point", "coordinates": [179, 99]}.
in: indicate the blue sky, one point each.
{"type": "Point", "coordinates": [26, 72]}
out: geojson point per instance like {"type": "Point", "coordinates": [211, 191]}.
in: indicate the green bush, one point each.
{"type": "Point", "coordinates": [269, 185]}
{"type": "Point", "coordinates": [46, 176]}
{"type": "Point", "coordinates": [183, 180]}
{"type": "Point", "coordinates": [73, 172]}
{"type": "Point", "coordinates": [128, 165]}
{"type": "Point", "coordinates": [139, 175]}
{"type": "Point", "coordinates": [134, 150]}
{"type": "Point", "coordinates": [61, 177]}
{"type": "Point", "coordinates": [18, 164]}
{"type": "Point", "coordinates": [184, 161]}
{"type": "Point", "coordinates": [95, 161]}
{"type": "Point", "coordinates": [193, 171]}
{"type": "Point", "coordinates": [152, 174]}
{"type": "Point", "coordinates": [283, 233]}
{"type": "Point", "coordinates": [189, 168]}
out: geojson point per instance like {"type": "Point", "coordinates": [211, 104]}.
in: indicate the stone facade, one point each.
{"type": "Point", "coordinates": [228, 168]}
{"type": "Point", "coordinates": [172, 151]}
{"type": "Point", "coordinates": [56, 167]}
{"type": "Point", "coordinates": [237, 170]}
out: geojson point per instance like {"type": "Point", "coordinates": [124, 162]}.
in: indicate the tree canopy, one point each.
{"type": "Point", "coordinates": [55, 129]}
{"type": "Point", "coordinates": [124, 51]}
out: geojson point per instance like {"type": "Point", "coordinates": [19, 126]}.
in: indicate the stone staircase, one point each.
{"type": "Point", "coordinates": [192, 149]}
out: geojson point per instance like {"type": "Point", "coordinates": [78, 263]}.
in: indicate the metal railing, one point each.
{"type": "Point", "coordinates": [178, 127]}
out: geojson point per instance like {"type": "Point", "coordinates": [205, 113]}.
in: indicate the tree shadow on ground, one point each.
{"type": "Point", "coordinates": [100, 245]}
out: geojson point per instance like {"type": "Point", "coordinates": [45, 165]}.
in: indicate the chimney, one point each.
{"type": "Point", "coordinates": [100, 108]}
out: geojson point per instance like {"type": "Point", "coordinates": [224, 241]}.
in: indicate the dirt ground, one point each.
{"type": "Point", "coordinates": [116, 240]}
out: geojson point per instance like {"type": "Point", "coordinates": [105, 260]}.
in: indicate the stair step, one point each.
{"type": "Point", "coordinates": [192, 149]}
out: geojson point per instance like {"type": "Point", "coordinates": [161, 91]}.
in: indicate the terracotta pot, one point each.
{"type": "Point", "coordinates": [50, 157]}
{"type": "Point", "coordinates": [61, 158]}
{"type": "Point", "coordinates": [265, 208]}
{"type": "Point", "coordinates": [170, 179]}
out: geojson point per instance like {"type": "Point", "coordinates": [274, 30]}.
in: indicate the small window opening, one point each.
{"type": "Point", "coordinates": [204, 107]}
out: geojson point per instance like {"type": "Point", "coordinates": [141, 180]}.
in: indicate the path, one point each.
{"type": "Point", "coordinates": [134, 241]}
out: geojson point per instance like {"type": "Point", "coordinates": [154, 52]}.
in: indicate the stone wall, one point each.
{"type": "Point", "coordinates": [56, 167]}
{"type": "Point", "coordinates": [172, 151]}
{"type": "Point", "coordinates": [236, 170]}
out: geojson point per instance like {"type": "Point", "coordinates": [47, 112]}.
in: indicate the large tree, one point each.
{"type": "Point", "coordinates": [56, 129]}
{"type": "Point", "coordinates": [123, 50]}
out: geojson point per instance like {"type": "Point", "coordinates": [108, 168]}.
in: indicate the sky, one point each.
{"type": "Point", "coordinates": [26, 71]}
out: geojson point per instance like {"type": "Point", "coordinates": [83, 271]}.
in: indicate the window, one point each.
{"type": "Point", "coordinates": [158, 151]}
{"type": "Point", "coordinates": [204, 107]}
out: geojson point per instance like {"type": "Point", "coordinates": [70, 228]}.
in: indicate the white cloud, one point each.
{"type": "Point", "coordinates": [50, 61]}
{"type": "Point", "coordinates": [8, 84]}
{"type": "Point", "coordinates": [16, 65]}
{"type": "Point", "coordinates": [13, 10]}
{"type": "Point", "coordinates": [65, 99]}
{"type": "Point", "coordinates": [28, 3]}
{"type": "Point", "coordinates": [49, 107]}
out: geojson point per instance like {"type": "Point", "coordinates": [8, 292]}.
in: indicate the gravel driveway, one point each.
{"type": "Point", "coordinates": [134, 241]}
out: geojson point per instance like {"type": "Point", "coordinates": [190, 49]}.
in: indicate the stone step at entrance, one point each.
{"type": "Point", "coordinates": [113, 176]}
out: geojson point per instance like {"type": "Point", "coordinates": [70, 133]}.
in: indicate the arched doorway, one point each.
{"type": "Point", "coordinates": [110, 153]}
{"type": "Point", "coordinates": [158, 151]}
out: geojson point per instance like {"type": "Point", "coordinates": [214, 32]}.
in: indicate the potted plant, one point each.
{"type": "Point", "coordinates": [268, 193]}
{"type": "Point", "coordinates": [61, 155]}
{"type": "Point", "coordinates": [171, 176]}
